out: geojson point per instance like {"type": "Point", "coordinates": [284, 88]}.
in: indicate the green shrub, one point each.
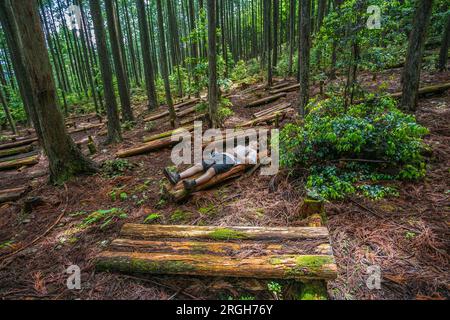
{"type": "Point", "coordinates": [115, 168]}
{"type": "Point", "coordinates": [345, 147]}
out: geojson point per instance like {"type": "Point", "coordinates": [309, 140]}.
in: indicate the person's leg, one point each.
{"type": "Point", "coordinates": [191, 171]}
{"type": "Point", "coordinates": [208, 175]}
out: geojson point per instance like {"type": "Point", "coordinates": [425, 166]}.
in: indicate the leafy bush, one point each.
{"type": "Point", "coordinates": [344, 148]}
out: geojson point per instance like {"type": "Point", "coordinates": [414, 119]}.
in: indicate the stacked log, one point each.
{"type": "Point", "coordinates": [276, 116]}
{"type": "Point", "coordinates": [256, 252]}
{"type": "Point", "coordinates": [424, 91]}
{"type": "Point", "coordinates": [14, 151]}
{"type": "Point", "coordinates": [13, 164]}
{"type": "Point", "coordinates": [167, 133]}
{"type": "Point", "coordinates": [266, 100]}
{"type": "Point", "coordinates": [270, 110]}
{"type": "Point", "coordinates": [285, 89]}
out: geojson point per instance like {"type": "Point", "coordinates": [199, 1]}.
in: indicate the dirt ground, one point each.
{"type": "Point", "coordinates": [407, 236]}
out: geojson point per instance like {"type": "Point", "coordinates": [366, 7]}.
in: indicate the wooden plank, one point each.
{"type": "Point", "coordinates": [151, 232]}
{"type": "Point", "coordinates": [265, 267]}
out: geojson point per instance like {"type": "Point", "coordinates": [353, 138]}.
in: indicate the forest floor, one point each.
{"type": "Point", "coordinates": [407, 236]}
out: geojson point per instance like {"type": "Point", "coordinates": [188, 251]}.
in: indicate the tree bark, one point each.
{"type": "Point", "coordinates": [65, 160]}
{"type": "Point", "coordinates": [114, 129]}
{"type": "Point", "coordinates": [127, 113]}
{"type": "Point", "coordinates": [411, 71]}
{"type": "Point", "coordinates": [305, 42]}
{"type": "Point", "coordinates": [146, 56]}
{"type": "Point", "coordinates": [212, 59]}
{"type": "Point", "coordinates": [443, 53]}
{"type": "Point", "coordinates": [163, 61]}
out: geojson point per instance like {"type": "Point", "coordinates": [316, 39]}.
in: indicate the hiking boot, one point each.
{"type": "Point", "coordinates": [189, 185]}
{"type": "Point", "coordinates": [173, 178]}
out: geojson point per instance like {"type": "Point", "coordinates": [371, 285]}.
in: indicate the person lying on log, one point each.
{"type": "Point", "coordinates": [216, 163]}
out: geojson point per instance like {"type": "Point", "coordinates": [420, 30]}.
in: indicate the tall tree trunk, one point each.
{"type": "Point", "coordinates": [112, 113]}
{"type": "Point", "coordinates": [443, 53]}
{"type": "Point", "coordinates": [163, 61]}
{"type": "Point", "coordinates": [411, 71]}
{"type": "Point", "coordinates": [268, 36]}
{"type": "Point", "coordinates": [212, 60]}
{"type": "Point", "coordinates": [9, 118]}
{"type": "Point", "coordinates": [305, 43]}
{"type": "Point", "coordinates": [291, 34]}
{"type": "Point", "coordinates": [65, 159]}
{"type": "Point", "coordinates": [275, 32]}
{"type": "Point", "coordinates": [124, 93]}
{"type": "Point", "coordinates": [146, 57]}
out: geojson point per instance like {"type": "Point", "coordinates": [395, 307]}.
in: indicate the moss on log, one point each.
{"type": "Point", "coordinates": [13, 164]}
{"type": "Point", "coordinates": [14, 151]}
{"type": "Point", "coordinates": [264, 267]}
{"type": "Point", "coordinates": [266, 100]}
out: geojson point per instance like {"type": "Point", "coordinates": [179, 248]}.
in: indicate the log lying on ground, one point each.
{"type": "Point", "coordinates": [430, 90]}
{"type": "Point", "coordinates": [264, 267]}
{"type": "Point", "coordinates": [19, 156]}
{"type": "Point", "coordinates": [13, 164]}
{"type": "Point", "coordinates": [255, 252]}
{"type": "Point", "coordinates": [14, 151]}
{"type": "Point", "coordinates": [152, 232]}
{"type": "Point", "coordinates": [285, 89]}
{"type": "Point", "coordinates": [8, 195]}
{"type": "Point", "coordinates": [275, 116]}
{"type": "Point", "coordinates": [270, 110]}
{"type": "Point", "coordinates": [18, 143]}
{"type": "Point", "coordinates": [86, 128]}
{"type": "Point", "coordinates": [180, 105]}
{"type": "Point", "coordinates": [266, 100]}
{"type": "Point", "coordinates": [282, 85]}
{"type": "Point", "coordinates": [195, 118]}
{"type": "Point", "coordinates": [186, 112]}
{"type": "Point", "coordinates": [167, 133]}
{"type": "Point", "coordinates": [146, 147]}
{"type": "Point", "coordinates": [156, 116]}
{"type": "Point", "coordinates": [316, 246]}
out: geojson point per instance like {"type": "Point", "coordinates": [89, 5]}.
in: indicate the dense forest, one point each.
{"type": "Point", "coordinates": [347, 99]}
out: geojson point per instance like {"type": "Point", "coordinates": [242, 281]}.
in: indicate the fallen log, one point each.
{"type": "Point", "coordinates": [86, 128]}
{"type": "Point", "coordinates": [167, 133]}
{"type": "Point", "coordinates": [14, 151]}
{"type": "Point", "coordinates": [279, 107]}
{"type": "Point", "coordinates": [13, 164]}
{"type": "Point", "coordinates": [264, 267]}
{"type": "Point", "coordinates": [195, 118]}
{"type": "Point", "coordinates": [157, 116]}
{"type": "Point", "coordinates": [19, 156]}
{"type": "Point", "coordinates": [276, 116]}
{"type": "Point", "coordinates": [146, 147]}
{"type": "Point", "coordinates": [257, 252]}
{"type": "Point", "coordinates": [265, 100]}
{"type": "Point", "coordinates": [282, 85]}
{"type": "Point", "coordinates": [317, 246]}
{"type": "Point", "coordinates": [286, 89]}
{"type": "Point", "coordinates": [18, 143]}
{"type": "Point", "coordinates": [430, 90]}
{"type": "Point", "coordinates": [186, 112]}
{"type": "Point", "coordinates": [151, 232]}
{"type": "Point", "coordinates": [8, 195]}
{"type": "Point", "coordinates": [186, 103]}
